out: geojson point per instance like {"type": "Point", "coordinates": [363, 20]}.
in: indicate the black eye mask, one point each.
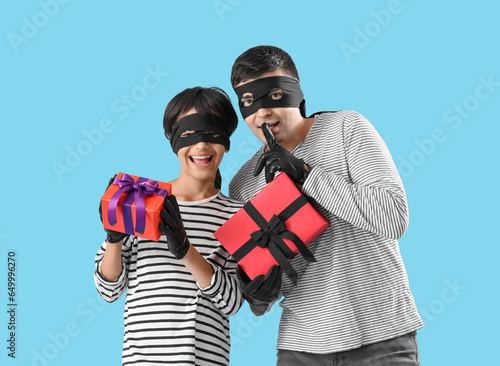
{"type": "Point", "coordinates": [261, 90]}
{"type": "Point", "coordinates": [211, 129]}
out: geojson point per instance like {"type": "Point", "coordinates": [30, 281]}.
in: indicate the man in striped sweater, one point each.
{"type": "Point", "coordinates": [354, 304]}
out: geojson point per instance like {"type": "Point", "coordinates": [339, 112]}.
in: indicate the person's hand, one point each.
{"type": "Point", "coordinates": [279, 159]}
{"type": "Point", "coordinates": [111, 236]}
{"type": "Point", "coordinates": [173, 228]}
{"type": "Point", "coordinates": [262, 290]}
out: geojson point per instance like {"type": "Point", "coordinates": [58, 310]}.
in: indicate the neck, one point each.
{"type": "Point", "coordinates": [189, 189]}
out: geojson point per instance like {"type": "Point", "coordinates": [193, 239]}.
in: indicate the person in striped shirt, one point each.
{"type": "Point", "coordinates": [182, 289]}
{"type": "Point", "coordinates": [353, 306]}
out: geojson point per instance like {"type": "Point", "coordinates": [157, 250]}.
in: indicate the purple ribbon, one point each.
{"type": "Point", "coordinates": [143, 187]}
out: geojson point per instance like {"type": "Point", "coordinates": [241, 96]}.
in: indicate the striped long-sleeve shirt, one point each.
{"type": "Point", "coordinates": [357, 292]}
{"type": "Point", "coordinates": [168, 318]}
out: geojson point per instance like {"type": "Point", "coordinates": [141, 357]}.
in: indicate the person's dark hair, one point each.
{"type": "Point", "coordinates": [211, 100]}
{"type": "Point", "coordinates": [259, 60]}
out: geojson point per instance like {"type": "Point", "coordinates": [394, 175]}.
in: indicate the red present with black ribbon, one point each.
{"type": "Point", "coordinates": [271, 229]}
{"type": "Point", "coordinates": [132, 205]}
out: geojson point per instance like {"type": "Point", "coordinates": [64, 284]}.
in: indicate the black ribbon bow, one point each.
{"type": "Point", "coordinates": [271, 235]}
{"type": "Point", "coordinates": [275, 227]}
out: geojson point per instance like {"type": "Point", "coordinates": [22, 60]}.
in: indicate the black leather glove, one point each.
{"type": "Point", "coordinates": [173, 228]}
{"type": "Point", "coordinates": [111, 236]}
{"type": "Point", "coordinates": [262, 290]}
{"type": "Point", "coordinates": [280, 159]}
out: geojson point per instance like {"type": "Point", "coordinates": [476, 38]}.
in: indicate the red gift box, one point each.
{"type": "Point", "coordinates": [132, 205]}
{"type": "Point", "coordinates": [272, 228]}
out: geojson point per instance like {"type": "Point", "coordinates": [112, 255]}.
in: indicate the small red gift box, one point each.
{"type": "Point", "coordinates": [272, 228]}
{"type": "Point", "coordinates": [132, 205]}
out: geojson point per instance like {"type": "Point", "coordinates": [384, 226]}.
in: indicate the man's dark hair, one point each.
{"type": "Point", "coordinates": [261, 59]}
{"type": "Point", "coordinates": [211, 100]}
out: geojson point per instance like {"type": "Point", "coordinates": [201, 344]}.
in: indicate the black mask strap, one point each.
{"type": "Point", "coordinates": [260, 93]}
{"type": "Point", "coordinates": [302, 108]}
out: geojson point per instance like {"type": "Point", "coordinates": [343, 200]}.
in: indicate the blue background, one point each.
{"type": "Point", "coordinates": [426, 74]}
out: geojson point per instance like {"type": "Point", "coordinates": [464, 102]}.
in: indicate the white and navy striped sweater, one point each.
{"type": "Point", "coordinates": [168, 319]}
{"type": "Point", "coordinates": [357, 292]}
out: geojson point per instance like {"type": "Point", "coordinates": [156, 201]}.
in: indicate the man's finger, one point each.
{"type": "Point", "coordinates": [265, 159]}
{"type": "Point", "coordinates": [271, 162]}
{"type": "Point", "coordinates": [271, 141]}
{"type": "Point", "coordinates": [269, 176]}
{"type": "Point", "coordinates": [273, 168]}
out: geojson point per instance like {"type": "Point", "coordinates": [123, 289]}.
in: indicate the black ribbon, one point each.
{"type": "Point", "coordinates": [271, 235]}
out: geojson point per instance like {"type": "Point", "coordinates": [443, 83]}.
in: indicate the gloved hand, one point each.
{"type": "Point", "coordinates": [262, 290]}
{"type": "Point", "coordinates": [280, 159]}
{"type": "Point", "coordinates": [173, 228]}
{"type": "Point", "coordinates": [111, 236]}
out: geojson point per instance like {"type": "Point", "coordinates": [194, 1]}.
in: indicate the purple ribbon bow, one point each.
{"type": "Point", "coordinates": [143, 187]}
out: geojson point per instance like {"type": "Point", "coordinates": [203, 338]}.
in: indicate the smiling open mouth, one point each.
{"type": "Point", "coordinates": [201, 161]}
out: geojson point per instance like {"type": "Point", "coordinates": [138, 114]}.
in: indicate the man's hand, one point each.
{"type": "Point", "coordinates": [278, 159]}
{"type": "Point", "coordinates": [262, 290]}
{"type": "Point", "coordinates": [111, 236]}
{"type": "Point", "coordinates": [173, 228]}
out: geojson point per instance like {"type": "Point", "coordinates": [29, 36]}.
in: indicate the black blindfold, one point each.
{"type": "Point", "coordinates": [210, 129]}
{"type": "Point", "coordinates": [264, 93]}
